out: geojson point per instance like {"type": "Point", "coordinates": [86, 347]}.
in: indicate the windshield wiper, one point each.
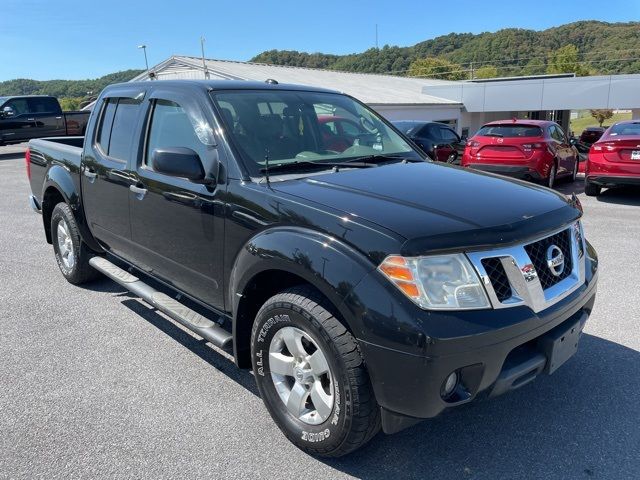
{"type": "Point", "coordinates": [306, 164]}
{"type": "Point", "coordinates": [380, 157]}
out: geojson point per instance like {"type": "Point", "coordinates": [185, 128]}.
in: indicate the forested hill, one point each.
{"type": "Point", "coordinates": [64, 88]}
{"type": "Point", "coordinates": [590, 47]}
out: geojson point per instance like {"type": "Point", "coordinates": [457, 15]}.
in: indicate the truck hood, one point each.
{"type": "Point", "coordinates": [438, 207]}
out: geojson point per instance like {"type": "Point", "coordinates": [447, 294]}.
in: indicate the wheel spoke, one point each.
{"type": "Point", "coordinates": [293, 340]}
{"type": "Point", "coordinates": [62, 233]}
{"type": "Point", "coordinates": [297, 400]}
{"type": "Point", "coordinates": [318, 363]}
{"type": "Point", "coordinates": [281, 364]}
{"type": "Point", "coordinates": [322, 402]}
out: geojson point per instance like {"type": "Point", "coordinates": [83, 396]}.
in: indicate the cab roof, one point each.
{"type": "Point", "coordinates": [219, 85]}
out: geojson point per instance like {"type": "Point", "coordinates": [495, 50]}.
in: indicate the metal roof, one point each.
{"type": "Point", "coordinates": [372, 89]}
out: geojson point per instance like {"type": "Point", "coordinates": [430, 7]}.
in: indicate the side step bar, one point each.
{"type": "Point", "coordinates": [195, 322]}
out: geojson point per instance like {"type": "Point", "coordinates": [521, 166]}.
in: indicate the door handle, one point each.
{"type": "Point", "coordinates": [184, 198]}
{"type": "Point", "coordinates": [90, 174]}
{"type": "Point", "coordinates": [139, 191]}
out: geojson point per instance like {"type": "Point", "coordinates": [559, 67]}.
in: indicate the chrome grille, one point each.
{"type": "Point", "coordinates": [537, 252]}
{"type": "Point", "coordinates": [520, 274]}
{"type": "Point", "coordinates": [498, 278]}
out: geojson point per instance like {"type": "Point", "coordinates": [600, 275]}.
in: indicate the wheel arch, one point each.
{"type": "Point", "coordinates": [284, 257]}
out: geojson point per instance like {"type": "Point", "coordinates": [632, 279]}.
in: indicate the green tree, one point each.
{"type": "Point", "coordinates": [440, 68]}
{"type": "Point", "coordinates": [534, 66]}
{"type": "Point", "coordinates": [601, 115]}
{"type": "Point", "coordinates": [565, 60]}
{"type": "Point", "coordinates": [488, 71]}
{"type": "Point", "coordinates": [70, 103]}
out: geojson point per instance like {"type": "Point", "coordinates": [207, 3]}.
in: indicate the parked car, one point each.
{"type": "Point", "coordinates": [591, 135]}
{"type": "Point", "coordinates": [529, 149]}
{"type": "Point", "coordinates": [36, 116]}
{"type": "Point", "coordinates": [437, 140]}
{"type": "Point", "coordinates": [339, 133]}
{"type": "Point", "coordinates": [367, 288]}
{"type": "Point", "coordinates": [614, 159]}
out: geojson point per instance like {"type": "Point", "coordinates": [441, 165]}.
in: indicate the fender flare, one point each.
{"type": "Point", "coordinates": [328, 264]}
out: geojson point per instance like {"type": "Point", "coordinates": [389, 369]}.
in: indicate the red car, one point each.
{"type": "Point", "coordinates": [614, 159]}
{"type": "Point", "coordinates": [528, 149]}
{"type": "Point", "coordinates": [338, 133]}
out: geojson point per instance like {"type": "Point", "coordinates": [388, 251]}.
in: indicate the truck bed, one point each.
{"type": "Point", "coordinates": [48, 152]}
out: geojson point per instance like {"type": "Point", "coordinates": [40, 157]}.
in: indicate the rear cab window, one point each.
{"type": "Point", "coordinates": [622, 129]}
{"type": "Point", "coordinates": [510, 131]}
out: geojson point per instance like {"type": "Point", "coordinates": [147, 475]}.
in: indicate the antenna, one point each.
{"type": "Point", "coordinates": [266, 166]}
{"type": "Point", "coordinates": [204, 64]}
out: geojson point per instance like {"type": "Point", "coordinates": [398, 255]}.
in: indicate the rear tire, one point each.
{"type": "Point", "coordinates": [591, 190]}
{"type": "Point", "coordinates": [325, 408]}
{"type": "Point", "coordinates": [72, 254]}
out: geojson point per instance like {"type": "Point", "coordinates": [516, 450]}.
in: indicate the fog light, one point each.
{"type": "Point", "coordinates": [449, 385]}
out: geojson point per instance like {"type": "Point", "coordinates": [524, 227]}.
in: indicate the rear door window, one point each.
{"type": "Point", "coordinates": [43, 105]}
{"type": "Point", "coordinates": [124, 126]}
{"type": "Point", "coordinates": [510, 131]}
{"type": "Point", "coordinates": [118, 121]}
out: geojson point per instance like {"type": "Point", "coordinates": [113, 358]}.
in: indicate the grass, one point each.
{"type": "Point", "coordinates": [579, 124]}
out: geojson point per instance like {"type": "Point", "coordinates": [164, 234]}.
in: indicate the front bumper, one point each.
{"type": "Point", "coordinates": [493, 351]}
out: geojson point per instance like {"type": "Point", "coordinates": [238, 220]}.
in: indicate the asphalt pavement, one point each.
{"type": "Point", "coordinates": [94, 383]}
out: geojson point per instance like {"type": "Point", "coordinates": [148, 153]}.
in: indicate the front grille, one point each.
{"type": "Point", "coordinates": [537, 251]}
{"type": "Point", "coordinates": [497, 275]}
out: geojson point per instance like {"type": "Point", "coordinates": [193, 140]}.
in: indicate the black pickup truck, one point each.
{"type": "Point", "coordinates": [365, 286]}
{"type": "Point", "coordinates": [36, 116]}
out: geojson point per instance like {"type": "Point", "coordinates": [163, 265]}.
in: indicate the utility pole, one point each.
{"type": "Point", "coordinates": [204, 64]}
{"type": "Point", "coordinates": [377, 37]}
{"type": "Point", "coordinates": [144, 49]}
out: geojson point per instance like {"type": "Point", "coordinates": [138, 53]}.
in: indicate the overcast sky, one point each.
{"type": "Point", "coordinates": [70, 39]}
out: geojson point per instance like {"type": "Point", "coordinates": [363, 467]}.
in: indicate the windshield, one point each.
{"type": "Point", "coordinates": [625, 129]}
{"type": "Point", "coordinates": [510, 131]}
{"type": "Point", "coordinates": [298, 127]}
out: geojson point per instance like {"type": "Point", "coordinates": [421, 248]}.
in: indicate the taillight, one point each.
{"type": "Point", "coordinates": [600, 147]}
{"type": "Point", "coordinates": [27, 161]}
{"type": "Point", "coordinates": [473, 144]}
{"type": "Point", "coordinates": [532, 146]}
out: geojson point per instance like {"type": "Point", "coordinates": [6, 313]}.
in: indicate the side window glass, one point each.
{"type": "Point", "coordinates": [106, 121]}
{"type": "Point", "coordinates": [19, 105]}
{"type": "Point", "coordinates": [124, 124]}
{"type": "Point", "coordinates": [170, 127]}
{"type": "Point", "coordinates": [448, 136]}
{"type": "Point", "coordinates": [561, 136]}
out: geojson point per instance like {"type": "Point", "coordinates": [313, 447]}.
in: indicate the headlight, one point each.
{"type": "Point", "coordinates": [446, 282]}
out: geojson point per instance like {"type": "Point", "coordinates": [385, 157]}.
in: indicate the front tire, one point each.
{"type": "Point", "coordinates": [71, 252]}
{"type": "Point", "coordinates": [311, 376]}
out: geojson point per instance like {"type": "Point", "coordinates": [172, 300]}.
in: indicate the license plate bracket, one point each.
{"type": "Point", "coordinates": [560, 344]}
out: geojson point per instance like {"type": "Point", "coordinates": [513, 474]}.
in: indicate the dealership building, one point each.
{"type": "Point", "coordinates": [466, 105]}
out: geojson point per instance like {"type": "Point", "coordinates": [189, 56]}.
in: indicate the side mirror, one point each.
{"type": "Point", "coordinates": [8, 112]}
{"type": "Point", "coordinates": [179, 162]}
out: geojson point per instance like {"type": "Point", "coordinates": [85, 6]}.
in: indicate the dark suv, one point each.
{"type": "Point", "coordinates": [437, 140]}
